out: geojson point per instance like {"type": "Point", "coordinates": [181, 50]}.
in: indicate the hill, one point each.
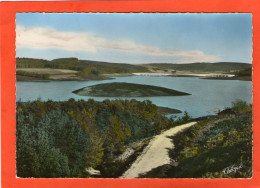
{"type": "Point", "coordinates": [79, 65]}
{"type": "Point", "coordinates": [202, 67]}
{"type": "Point", "coordinates": [110, 68]}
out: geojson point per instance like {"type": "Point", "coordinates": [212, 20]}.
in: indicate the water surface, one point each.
{"type": "Point", "coordinates": [208, 96]}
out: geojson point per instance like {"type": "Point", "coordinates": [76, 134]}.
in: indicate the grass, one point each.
{"type": "Point", "coordinates": [117, 89]}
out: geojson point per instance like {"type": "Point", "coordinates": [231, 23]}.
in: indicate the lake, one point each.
{"type": "Point", "coordinates": [208, 96]}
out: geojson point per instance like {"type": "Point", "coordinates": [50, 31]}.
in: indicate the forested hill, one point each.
{"type": "Point", "coordinates": [79, 65]}
{"type": "Point", "coordinates": [203, 67]}
{"type": "Point", "coordinates": [130, 67]}
{"type": "Point", "coordinates": [99, 67]}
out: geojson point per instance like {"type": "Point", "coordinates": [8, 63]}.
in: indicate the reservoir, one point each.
{"type": "Point", "coordinates": [207, 96]}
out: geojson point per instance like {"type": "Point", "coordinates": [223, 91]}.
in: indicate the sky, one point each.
{"type": "Point", "coordinates": [136, 38]}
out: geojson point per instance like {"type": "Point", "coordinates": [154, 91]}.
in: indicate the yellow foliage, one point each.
{"type": "Point", "coordinates": [190, 152]}
{"type": "Point", "coordinates": [215, 141]}
{"type": "Point", "coordinates": [71, 113]}
{"type": "Point", "coordinates": [95, 151]}
{"type": "Point", "coordinates": [120, 131]}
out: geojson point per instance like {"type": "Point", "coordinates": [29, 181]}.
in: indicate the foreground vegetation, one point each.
{"type": "Point", "coordinates": [64, 139]}
{"type": "Point", "coordinates": [121, 89]}
{"type": "Point", "coordinates": [217, 147]}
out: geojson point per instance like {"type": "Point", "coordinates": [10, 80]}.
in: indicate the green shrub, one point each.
{"type": "Point", "coordinates": [239, 105]}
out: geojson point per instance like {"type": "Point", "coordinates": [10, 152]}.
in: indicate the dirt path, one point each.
{"type": "Point", "coordinates": [155, 154]}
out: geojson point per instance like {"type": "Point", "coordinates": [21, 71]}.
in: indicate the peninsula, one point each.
{"type": "Point", "coordinates": [121, 89]}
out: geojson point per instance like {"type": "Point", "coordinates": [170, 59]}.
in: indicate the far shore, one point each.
{"type": "Point", "coordinates": [55, 74]}
{"type": "Point", "coordinates": [242, 78]}
{"type": "Point", "coordinates": [72, 75]}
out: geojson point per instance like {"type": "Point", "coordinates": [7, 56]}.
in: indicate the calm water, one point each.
{"type": "Point", "coordinates": [208, 96]}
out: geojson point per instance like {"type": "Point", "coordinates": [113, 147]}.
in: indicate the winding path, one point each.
{"type": "Point", "coordinates": [156, 153]}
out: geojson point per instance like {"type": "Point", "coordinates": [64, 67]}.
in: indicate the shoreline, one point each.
{"type": "Point", "coordinates": [32, 79]}
{"type": "Point", "coordinates": [72, 75]}
{"type": "Point", "coordinates": [167, 111]}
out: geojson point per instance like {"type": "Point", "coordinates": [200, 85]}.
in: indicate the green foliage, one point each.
{"type": "Point", "coordinates": [95, 71]}
{"type": "Point", "coordinates": [32, 74]}
{"type": "Point", "coordinates": [95, 151]}
{"type": "Point", "coordinates": [244, 72]}
{"type": "Point", "coordinates": [54, 147]}
{"type": "Point", "coordinates": [102, 120]}
{"type": "Point", "coordinates": [55, 143]}
{"type": "Point", "coordinates": [212, 146]}
{"type": "Point", "coordinates": [88, 72]}
{"type": "Point", "coordinates": [35, 155]}
{"type": "Point", "coordinates": [238, 123]}
{"type": "Point", "coordinates": [25, 134]}
{"type": "Point", "coordinates": [79, 65]}
{"type": "Point", "coordinates": [184, 119]}
{"type": "Point", "coordinates": [211, 161]}
{"type": "Point", "coordinates": [112, 169]}
{"type": "Point", "coordinates": [121, 89]}
{"type": "Point", "coordinates": [66, 135]}
{"type": "Point", "coordinates": [138, 127]}
{"type": "Point", "coordinates": [239, 105]}
{"type": "Point", "coordinates": [114, 138]}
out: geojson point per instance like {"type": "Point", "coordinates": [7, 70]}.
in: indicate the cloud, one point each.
{"type": "Point", "coordinates": [45, 38]}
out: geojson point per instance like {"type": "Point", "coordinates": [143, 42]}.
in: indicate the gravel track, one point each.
{"type": "Point", "coordinates": [156, 153]}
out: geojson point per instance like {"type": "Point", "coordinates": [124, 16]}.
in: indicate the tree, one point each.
{"type": "Point", "coordinates": [115, 136]}
{"type": "Point", "coordinates": [55, 147]}
{"type": "Point", "coordinates": [25, 142]}
{"type": "Point", "coordinates": [95, 150]}
{"type": "Point", "coordinates": [35, 155]}
{"type": "Point", "coordinates": [66, 135]}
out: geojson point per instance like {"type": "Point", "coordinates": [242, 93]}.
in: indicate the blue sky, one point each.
{"type": "Point", "coordinates": [136, 37]}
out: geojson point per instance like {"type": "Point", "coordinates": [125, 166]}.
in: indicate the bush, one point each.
{"type": "Point", "coordinates": [238, 105]}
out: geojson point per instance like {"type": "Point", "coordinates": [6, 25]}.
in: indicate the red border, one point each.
{"type": "Point", "coordinates": [7, 16]}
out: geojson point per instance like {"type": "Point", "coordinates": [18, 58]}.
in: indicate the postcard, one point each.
{"type": "Point", "coordinates": [109, 98]}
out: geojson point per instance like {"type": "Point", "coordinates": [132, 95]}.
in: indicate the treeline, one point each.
{"type": "Point", "coordinates": [63, 139]}
{"type": "Point", "coordinates": [85, 67]}
{"type": "Point", "coordinates": [217, 147]}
